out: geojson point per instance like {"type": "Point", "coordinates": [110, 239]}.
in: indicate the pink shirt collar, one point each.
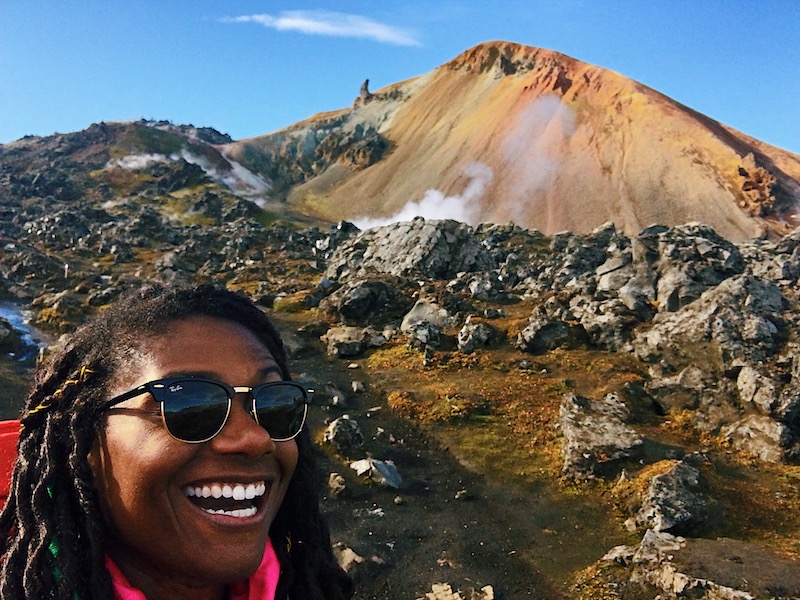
{"type": "Point", "coordinates": [260, 585]}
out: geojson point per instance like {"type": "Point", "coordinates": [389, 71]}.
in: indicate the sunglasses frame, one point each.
{"type": "Point", "coordinates": [158, 387]}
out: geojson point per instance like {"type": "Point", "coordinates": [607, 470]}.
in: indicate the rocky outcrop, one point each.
{"type": "Point", "coordinates": [347, 342]}
{"type": "Point", "coordinates": [364, 95]}
{"type": "Point", "coordinates": [366, 301]}
{"type": "Point", "coordinates": [712, 321]}
{"type": "Point", "coordinates": [736, 323]}
{"type": "Point", "coordinates": [759, 187]}
{"type": "Point", "coordinates": [344, 434]}
{"type": "Point", "coordinates": [709, 317]}
{"type": "Point", "coordinates": [597, 438]}
{"type": "Point", "coordinates": [297, 154]}
{"type": "Point", "coordinates": [11, 339]}
{"type": "Point", "coordinates": [476, 335]}
{"type": "Point", "coordinates": [432, 249]}
{"type": "Point", "coordinates": [542, 334]}
{"type": "Point", "coordinates": [674, 502]}
{"type": "Point", "coordinates": [721, 569]}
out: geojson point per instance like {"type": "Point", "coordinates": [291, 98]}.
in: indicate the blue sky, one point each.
{"type": "Point", "coordinates": [247, 68]}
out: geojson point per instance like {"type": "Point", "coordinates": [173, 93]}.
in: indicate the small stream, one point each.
{"type": "Point", "coordinates": [19, 318]}
{"type": "Point", "coordinates": [16, 369]}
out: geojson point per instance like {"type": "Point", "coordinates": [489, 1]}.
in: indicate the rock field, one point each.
{"type": "Point", "coordinates": [707, 328]}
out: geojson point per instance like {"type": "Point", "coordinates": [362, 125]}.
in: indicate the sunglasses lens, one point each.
{"type": "Point", "coordinates": [281, 410]}
{"type": "Point", "coordinates": [195, 411]}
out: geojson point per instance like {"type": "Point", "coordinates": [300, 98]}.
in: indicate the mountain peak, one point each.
{"type": "Point", "coordinates": [506, 58]}
{"type": "Point", "coordinates": [507, 132]}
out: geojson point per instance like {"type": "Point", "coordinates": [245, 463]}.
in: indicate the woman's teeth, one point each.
{"type": "Point", "coordinates": [241, 512]}
{"type": "Point", "coordinates": [236, 491]}
{"type": "Point", "coordinates": [230, 499]}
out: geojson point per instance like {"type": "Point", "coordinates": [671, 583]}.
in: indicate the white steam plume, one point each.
{"type": "Point", "coordinates": [434, 205]}
{"type": "Point", "coordinates": [532, 147]}
{"type": "Point", "coordinates": [239, 179]}
{"type": "Point", "coordinates": [136, 162]}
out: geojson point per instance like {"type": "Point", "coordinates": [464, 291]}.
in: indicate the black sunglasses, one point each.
{"type": "Point", "coordinates": [195, 410]}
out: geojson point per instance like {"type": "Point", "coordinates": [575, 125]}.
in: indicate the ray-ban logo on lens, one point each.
{"type": "Point", "coordinates": [175, 388]}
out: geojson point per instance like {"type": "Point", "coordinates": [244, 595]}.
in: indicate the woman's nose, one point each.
{"type": "Point", "coordinates": [241, 433]}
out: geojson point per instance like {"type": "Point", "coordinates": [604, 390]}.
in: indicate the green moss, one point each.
{"type": "Point", "coordinates": [483, 442]}
{"type": "Point", "coordinates": [294, 303]}
{"type": "Point", "coordinates": [394, 356]}
{"type": "Point", "coordinates": [266, 218]}
{"type": "Point", "coordinates": [609, 581]}
{"type": "Point", "coordinates": [149, 139]}
{"type": "Point", "coordinates": [558, 388]}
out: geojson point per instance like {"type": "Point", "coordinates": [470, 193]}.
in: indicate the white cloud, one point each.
{"type": "Point", "coordinates": [323, 22]}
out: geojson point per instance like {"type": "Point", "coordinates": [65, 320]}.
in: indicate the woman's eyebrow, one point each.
{"type": "Point", "coordinates": [272, 369]}
{"type": "Point", "coordinates": [196, 374]}
{"type": "Point", "coordinates": [263, 372]}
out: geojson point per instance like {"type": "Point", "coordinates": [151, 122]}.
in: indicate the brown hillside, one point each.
{"type": "Point", "coordinates": [561, 144]}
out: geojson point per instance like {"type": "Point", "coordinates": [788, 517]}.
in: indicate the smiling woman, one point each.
{"type": "Point", "coordinates": [162, 455]}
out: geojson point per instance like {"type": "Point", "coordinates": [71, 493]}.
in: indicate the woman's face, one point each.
{"type": "Point", "coordinates": [146, 479]}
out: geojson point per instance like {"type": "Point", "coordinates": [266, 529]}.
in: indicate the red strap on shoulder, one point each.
{"type": "Point", "coordinates": [9, 435]}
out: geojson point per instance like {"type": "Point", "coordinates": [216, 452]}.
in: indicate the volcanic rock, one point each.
{"type": "Point", "coordinates": [365, 301]}
{"type": "Point", "coordinates": [432, 249]}
{"type": "Point", "coordinates": [344, 434]}
{"type": "Point", "coordinates": [731, 325]}
{"type": "Point", "coordinates": [11, 339]}
{"type": "Point", "coordinates": [475, 335]}
{"type": "Point", "coordinates": [596, 435]}
{"type": "Point", "coordinates": [674, 501]}
{"type": "Point", "coordinates": [542, 334]}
